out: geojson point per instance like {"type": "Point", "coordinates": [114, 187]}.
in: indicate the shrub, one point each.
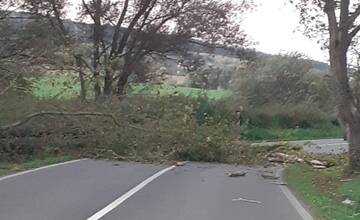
{"type": "Point", "coordinates": [151, 129]}
{"type": "Point", "coordinates": [302, 115]}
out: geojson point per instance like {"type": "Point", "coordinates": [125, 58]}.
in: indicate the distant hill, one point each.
{"type": "Point", "coordinates": [225, 56]}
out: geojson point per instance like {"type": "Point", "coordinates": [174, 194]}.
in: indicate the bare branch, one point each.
{"type": "Point", "coordinates": [355, 31]}
{"type": "Point", "coordinates": [351, 19]}
{"type": "Point", "coordinates": [74, 114]}
{"type": "Point", "coordinates": [118, 28]}
{"type": "Point", "coordinates": [5, 90]}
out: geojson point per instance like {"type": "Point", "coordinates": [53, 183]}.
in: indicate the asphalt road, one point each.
{"type": "Point", "coordinates": [321, 146]}
{"type": "Point", "coordinates": [128, 191]}
{"type": "Point", "coordinates": [325, 146]}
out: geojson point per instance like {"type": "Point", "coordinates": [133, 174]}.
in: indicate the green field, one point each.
{"type": "Point", "coordinates": [62, 86]}
{"type": "Point", "coordinates": [278, 134]}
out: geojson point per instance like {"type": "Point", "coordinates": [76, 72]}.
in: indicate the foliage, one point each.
{"type": "Point", "coordinates": [280, 134]}
{"type": "Point", "coordinates": [301, 115]}
{"type": "Point", "coordinates": [152, 129]}
{"type": "Point", "coordinates": [211, 78]}
{"type": "Point", "coordinates": [282, 80]}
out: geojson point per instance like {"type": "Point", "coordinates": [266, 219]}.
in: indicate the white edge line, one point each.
{"type": "Point", "coordinates": [127, 195]}
{"type": "Point", "coordinates": [338, 144]}
{"type": "Point", "coordinates": [294, 201]}
{"type": "Point", "coordinates": [38, 169]}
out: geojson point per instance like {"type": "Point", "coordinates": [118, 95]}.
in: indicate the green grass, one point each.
{"type": "Point", "coordinates": [167, 90]}
{"type": "Point", "coordinates": [56, 86]}
{"type": "Point", "coordinates": [310, 187]}
{"type": "Point", "coordinates": [9, 168]}
{"type": "Point", "coordinates": [62, 86]}
{"type": "Point", "coordinates": [276, 134]}
{"type": "Point", "coordinates": [351, 190]}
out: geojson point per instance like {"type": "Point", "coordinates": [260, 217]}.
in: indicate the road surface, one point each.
{"type": "Point", "coordinates": [92, 190]}
{"type": "Point", "coordinates": [321, 146]}
{"type": "Point", "coordinates": [325, 146]}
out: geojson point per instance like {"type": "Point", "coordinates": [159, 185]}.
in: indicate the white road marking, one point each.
{"type": "Point", "coordinates": [127, 195]}
{"type": "Point", "coordinates": [294, 202]}
{"type": "Point", "coordinates": [338, 144]}
{"type": "Point", "coordinates": [297, 205]}
{"type": "Point", "coordinates": [38, 169]}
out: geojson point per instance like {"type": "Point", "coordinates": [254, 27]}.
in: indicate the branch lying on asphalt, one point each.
{"type": "Point", "coordinates": [247, 200]}
{"type": "Point", "coordinates": [75, 114]}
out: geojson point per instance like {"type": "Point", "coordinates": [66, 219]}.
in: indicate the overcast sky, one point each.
{"type": "Point", "coordinates": [272, 25]}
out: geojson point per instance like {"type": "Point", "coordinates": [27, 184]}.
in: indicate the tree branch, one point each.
{"type": "Point", "coordinates": [74, 114]}
{"type": "Point", "coordinates": [5, 90]}
{"type": "Point", "coordinates": [354, 31]}
{"type": "Point", "coordinates": [350, 21]}
{"type": "Point", "coordinates": [116, 35]}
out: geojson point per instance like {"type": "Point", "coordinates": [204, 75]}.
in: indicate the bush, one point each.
{"type": "Point", "coordinates": [151, 129]}
{"type": "Point", "coordinates": [303, 115]}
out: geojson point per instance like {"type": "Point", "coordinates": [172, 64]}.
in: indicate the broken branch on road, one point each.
{"type": "Point", "coordinates": [247, 200]}
{"type": "Point", "coordinates": [74, 114]}
{"type": "Point", "coordinates": [236, 174]}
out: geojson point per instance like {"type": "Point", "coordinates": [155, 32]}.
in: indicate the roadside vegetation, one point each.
{"type": "Point", "coordinates": [141, 128]}
{"type": "Point", "coordinates": [7, 168]}
{"type": "Point", "coordinates": [325, 191]}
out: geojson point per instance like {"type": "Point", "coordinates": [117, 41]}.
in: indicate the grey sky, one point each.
{"type": "Point", "coordinates": [272, 25]}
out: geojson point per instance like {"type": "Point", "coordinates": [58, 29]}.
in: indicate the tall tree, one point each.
{"type": "Point", "coordinates": [338, 21]}
{"type": "Point", "coordinates": [125, 31]}
{"type": "Point", "coordinates": [147, 26]}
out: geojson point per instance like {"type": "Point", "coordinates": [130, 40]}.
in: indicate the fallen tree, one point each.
{"type": "Point", "coordinates": [74, 114]}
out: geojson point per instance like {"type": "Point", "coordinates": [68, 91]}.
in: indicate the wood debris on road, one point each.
{"type": "Point", "coordinates": [269, 176]}
{"type": "Point", "coordinates": [237, 174]}
{"type": "Point", "coordinates": [180, 163]}
{"type": "Point", "coordinates": [279, 183]}
{"type": "Point", "coordinates": [247, 200]}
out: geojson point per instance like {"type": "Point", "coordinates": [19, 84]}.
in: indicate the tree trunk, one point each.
{"type": "Point", "coordinates": [354, 145]}
{"type": "Point", "coordinates": [123, 78]}
{"type": "Point", "coordinates": [97, 88]}
{"type": "Point", "coordinates": [346, 110]}
{"type": "Point", "coordinates": [98, 34]}
{"type": "Point", "coordinates": [108, 84]}
{"type": "Point", "coordinates": [121, 84]}
{"type": "Point", "coordinates": [79, 64]}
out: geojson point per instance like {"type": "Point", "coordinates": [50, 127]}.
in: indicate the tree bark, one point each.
{"type": "Point", "coordinates": [79, 64]}
{"type": "Point", "coordinates": [346, 109]}
{"type": "Point", "coordinates": [354, 143]}
{"type": "Point", "coordinates": [121, 84]}
{"type": "Point", "coordinates": [74, 114]}
{"type": "Point", "coordinates": [123, 77]}
{"type": "Point", "coordinates": [96, 53]}
{"type": "Point", "coordinates": [108, 87]}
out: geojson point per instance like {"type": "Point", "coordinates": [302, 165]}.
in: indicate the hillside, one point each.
{"type": "Point", "coordinates": [224, 57]}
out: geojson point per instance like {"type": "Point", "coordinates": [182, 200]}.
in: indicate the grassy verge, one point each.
{"type": "Point", "coordinates": [271, 134]}
{"type": "Point", "coordinates": [323, 191]}
{"type": "Point", "coordinates": [7, 168]}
